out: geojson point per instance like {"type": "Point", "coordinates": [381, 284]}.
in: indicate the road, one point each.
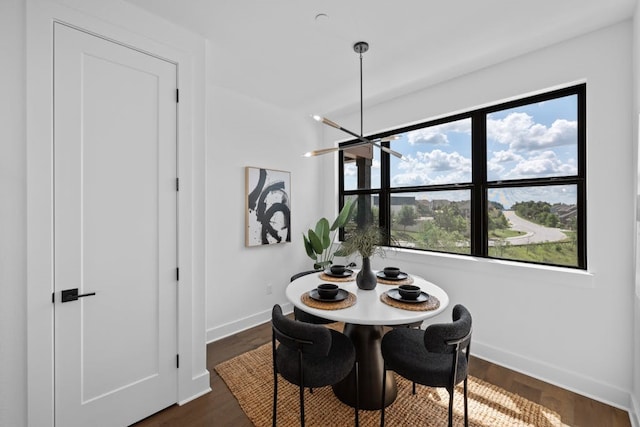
{"type": "Point", "coordinates": [534, 233]}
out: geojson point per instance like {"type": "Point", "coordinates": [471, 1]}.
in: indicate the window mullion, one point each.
{"type": "Point", "coordinates": [479, 221]}
{"type": "Point", "coordinates": [385, 195]}
{"type": "Point", "coordinates": [582, 176]}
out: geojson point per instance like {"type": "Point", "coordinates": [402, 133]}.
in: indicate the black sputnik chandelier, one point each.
{"type": "Point", "coordinates": [359, 48]}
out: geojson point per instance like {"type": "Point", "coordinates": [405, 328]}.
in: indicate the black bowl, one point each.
{"type": "Point", "coordinates": [391, 271]}
{"type": "Point", "coordinates": [409, 291]}
{"type": "Point", "coordinates": [327, 290]}
{"type": "Point", "coordinates": [337, 269]}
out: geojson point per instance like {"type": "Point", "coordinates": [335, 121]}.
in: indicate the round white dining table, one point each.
{"type": "Point", "coordinates": [364, 324]}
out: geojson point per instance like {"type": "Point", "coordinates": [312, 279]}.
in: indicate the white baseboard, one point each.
{"type": "Point", "coordinates": [228, 329]}
{"type": "Point", "coordinates": [195, 396]}
{"type": "Point", "coordinates": [573, 381]}
{"type": "Point", "coordinates": [198, 386]}
{"type": "Point", "coordinates": [634, 411]}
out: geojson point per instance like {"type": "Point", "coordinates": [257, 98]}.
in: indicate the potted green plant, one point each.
{"type": "Point", "coordinates": [366, 241]}
{"type": "Point", "coordinates": [319, 242]}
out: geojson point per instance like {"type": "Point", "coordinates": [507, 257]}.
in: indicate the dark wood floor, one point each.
{"type": "Point", "coordinates": [219, 408]}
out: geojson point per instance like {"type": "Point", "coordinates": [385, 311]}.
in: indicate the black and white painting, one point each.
{"type": "Point", "coordinates": [268, 207]}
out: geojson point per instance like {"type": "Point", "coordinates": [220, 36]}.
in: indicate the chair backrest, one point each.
{"type": "Point", "coordinates": [439, 338]}
{"type": "Point", "coordinates": [303, 273]}
{"type": "Point", "coordinates": [305, 337]}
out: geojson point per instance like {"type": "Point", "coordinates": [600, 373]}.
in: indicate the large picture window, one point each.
{"type": "Point", "coordinates": [506, 182]}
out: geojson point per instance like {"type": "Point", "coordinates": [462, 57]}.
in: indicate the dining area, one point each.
{"type": "Point", "coordinates": [382, 333]}
{"type": "Point", "coordinates": [389, 346]}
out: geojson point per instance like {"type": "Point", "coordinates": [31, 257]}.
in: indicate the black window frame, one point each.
{"type": "Point", "coordinates": [480, 185]}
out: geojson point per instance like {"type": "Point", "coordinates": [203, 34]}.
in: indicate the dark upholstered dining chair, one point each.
{"type": "Point", "coordinates": [302, 315]}
{"type": "Point", "coordinates": [309, 356]}
{"type": "Point", "coordinates": [435, 357]}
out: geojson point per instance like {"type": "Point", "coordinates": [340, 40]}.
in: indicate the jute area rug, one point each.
{"type": "Point", "coordinates": [250, 379]}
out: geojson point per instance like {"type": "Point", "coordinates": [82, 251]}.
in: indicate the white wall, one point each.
{"type": "Point", "coordinates": [635, 395]}
{"type": "Point", "coordinates": [246, 132]}
{"type": "Point", "coordinates": [13, 320]}
{"type": "Point", "coordinates": [567, 327]}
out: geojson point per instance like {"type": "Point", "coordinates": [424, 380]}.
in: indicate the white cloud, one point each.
{"type": "Point", "coordinates": [543, 165]}
{"type": "Point", "coordinates": [521, 133]}
{"type": "Point", "coordinates": [495, 169]}
{"type": "Point", "coordinates": [435, 167]}
{"type": "Point", "coordinates": [350, 170]}
{"type": "Point", "coordinates": [423, 178]}
{"type": "Point", "coordinates": [438, 160]}
{"type": "Point", "coordinates": [409, 179]}
{"type": "Point", "coordinates": [427, 136]}
{"type": "Point", "coordinates": [437, 135]}
{"type": "Point", "coordinates": [505, 156]}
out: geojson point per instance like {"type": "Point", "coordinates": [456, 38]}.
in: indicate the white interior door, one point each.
{"type": "Point", "coordinates": [114, 231]}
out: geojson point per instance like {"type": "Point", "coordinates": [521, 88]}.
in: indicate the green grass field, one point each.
{"type": "Point", "coordinates": [558, 253]}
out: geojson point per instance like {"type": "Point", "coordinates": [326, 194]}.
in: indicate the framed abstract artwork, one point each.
{"type": "Point", "coordinates": [268, 206]}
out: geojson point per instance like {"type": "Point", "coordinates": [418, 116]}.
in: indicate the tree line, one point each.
{"type": "Point", "coordinates": [544, 213]}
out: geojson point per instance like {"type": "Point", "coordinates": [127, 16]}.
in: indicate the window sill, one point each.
{"type": "Point", "coordinates": [562, 276]}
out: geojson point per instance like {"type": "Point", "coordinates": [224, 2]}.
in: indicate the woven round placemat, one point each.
{"type": "Point", "coordinates": [328, 278]}
{"type": "Point", "coordinates": [347, 302]}
{"type": "Point", "coordinates": [407, 281]}
{"type": "Point", "coordinates": [431, 304]}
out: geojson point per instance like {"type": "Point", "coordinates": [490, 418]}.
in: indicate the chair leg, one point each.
{"type": "Point", "coordinates": [466, 406]}
{"type": "Point", "coordinates": [384, 386]}
{"type": "Point", "coordinates": [301, 405]}
{"type": "Point", "coordinates": [413, 388]}
{"type": "Point", "coordinates": [275, 396]}
{"type": "Point", "coordinates": [357, 394]}
{"type": "Point", "coordinates": [301, 377]}
{"type": "Point", "coordinates": [451, 408]}
{"type": "Point", "coordinates": [275, 377]}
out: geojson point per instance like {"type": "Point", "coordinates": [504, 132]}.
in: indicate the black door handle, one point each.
{"type": "Point", "coordinates": [69, 295]}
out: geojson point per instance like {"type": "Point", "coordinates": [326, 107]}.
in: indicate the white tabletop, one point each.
{"type": "Point", "coordinates": [368, 309]}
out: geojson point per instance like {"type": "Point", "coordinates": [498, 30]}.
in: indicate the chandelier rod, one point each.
{"type": "Point", "coordinates": [360, 48]}
{"type": "Point", "coordinates": [361, 107]}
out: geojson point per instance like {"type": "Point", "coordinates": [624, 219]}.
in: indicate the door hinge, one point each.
{"type": "Point", "coordinates": [53, 297]}
{"type": "Point", "coordinates": [177, 95]}
{"type": "Point", "coordinates": [177, 360]}
{"type": "Point", "coordinates": [177, 184]}
{"type": "Point", "coordinates": [177, 273]}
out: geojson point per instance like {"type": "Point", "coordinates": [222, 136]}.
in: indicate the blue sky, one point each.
{"type": "Point", "coordinates": [536, 140]}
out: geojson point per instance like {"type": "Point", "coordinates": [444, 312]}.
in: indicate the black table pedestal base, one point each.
{"type": "Point", "coordinates": [367, 339]}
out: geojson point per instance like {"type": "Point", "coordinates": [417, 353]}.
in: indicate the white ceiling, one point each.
{"type": "Point", "coordinates": [276, 51]}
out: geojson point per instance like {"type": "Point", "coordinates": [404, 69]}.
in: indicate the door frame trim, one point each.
{"type": "Point", "coordinates": [130, 26]}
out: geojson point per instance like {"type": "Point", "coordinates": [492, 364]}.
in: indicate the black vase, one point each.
{"type": "Point", "coordinates": [366, 278]}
